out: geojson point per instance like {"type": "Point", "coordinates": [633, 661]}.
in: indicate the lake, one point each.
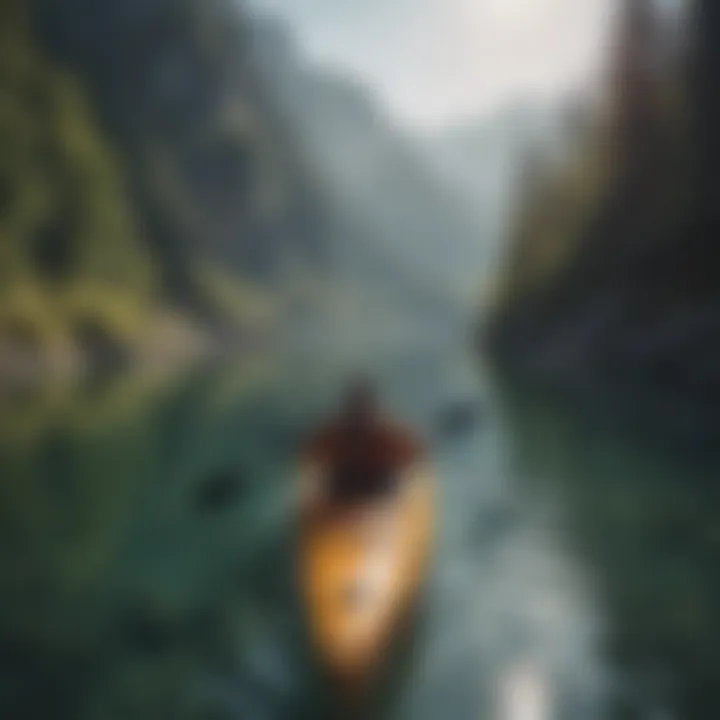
{"type": "Point", "coordinates": [147, 541]}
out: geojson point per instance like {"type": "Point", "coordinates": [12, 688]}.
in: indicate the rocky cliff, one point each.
{"type": "Point", "coordinates": [613, 267]}
{"type": "Point", "coordinates": [150, 195]}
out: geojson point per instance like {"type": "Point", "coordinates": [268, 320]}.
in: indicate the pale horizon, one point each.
{"type": "Point", "coordinates": [436, 63]}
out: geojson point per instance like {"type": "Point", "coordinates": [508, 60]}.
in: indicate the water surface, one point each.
{"type": "Point", "coordinates": [147, 542]}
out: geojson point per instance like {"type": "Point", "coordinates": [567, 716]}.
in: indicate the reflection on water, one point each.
{"type": "Point", "coordinates": [147, 550]}
{"type": "Point", "coordinates": [645, 517]}
{"type": "Point", "coordinates": [524, 693]}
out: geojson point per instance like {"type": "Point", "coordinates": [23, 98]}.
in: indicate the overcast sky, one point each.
{"type": "Point", "coordinates": [434, 62]}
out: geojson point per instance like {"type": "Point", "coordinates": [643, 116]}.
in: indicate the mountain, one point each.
{"type": "Point", "coordinates": [613, 266]}
{"type": "Point", "coordinates": [479, 161]}
{"type": "Point", "coordinates": [264, 189]}
{"type": "Point", "coordinates": [152, 199]}
{"type": "Point", "coordinates": [246, 189]}
{"type": "Point", "coordinates": [205, 156]}
{"type": "Point", "coordinates": [75, 267]}
{"type": "Point", "coordinates": [394, 217]}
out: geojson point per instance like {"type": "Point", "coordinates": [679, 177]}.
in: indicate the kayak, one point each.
{"type": "Point", "coordinates": [361, 570]}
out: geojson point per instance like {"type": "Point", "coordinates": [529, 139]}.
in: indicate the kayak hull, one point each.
{"type": "Point", "coordinates": [361, 570]}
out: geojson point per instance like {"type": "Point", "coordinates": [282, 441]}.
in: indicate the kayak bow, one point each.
{"type": "Point", "coordinates": [361, 569]}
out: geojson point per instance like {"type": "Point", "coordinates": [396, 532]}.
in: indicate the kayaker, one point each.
{"type": "Point", "coordinates": [359, 454]}
{"type": "Point", "coordinates": [364, 541]}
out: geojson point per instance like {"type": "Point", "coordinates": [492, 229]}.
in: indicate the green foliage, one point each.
{"type": "Point", "coordinates": [210, 166]}
{"type": "Point", "coordinates": [146, 198]}
{"type": "Point", "coordinates": [70, 246]}
{"type": "Point", "coordinates": [551, 224]}
{"type": "Point", "coordinates": [597, 278]}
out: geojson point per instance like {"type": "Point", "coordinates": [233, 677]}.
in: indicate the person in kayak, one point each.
{"type": "Point", "coordinates": [359, 454]}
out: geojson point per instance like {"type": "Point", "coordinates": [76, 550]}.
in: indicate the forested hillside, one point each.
{"type": "Point", "coordinates": [206, 158]}
{"type": "Point", "coordinates": [398, 225]}
{"type": "Point", "coordinates": [151, 198]}
{"type": "Point", "coordinates": [207, 184]}
{"type": "Point", "coordinates": [75, 265]}
{"type": "Point", "coordinates": [614, 261]}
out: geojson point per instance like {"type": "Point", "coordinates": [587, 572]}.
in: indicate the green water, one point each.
{"type": "Point", "coordinates": [147, 556]}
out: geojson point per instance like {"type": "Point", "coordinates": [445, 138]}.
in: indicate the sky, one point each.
{"type": "Point", "coordinates": [434, 63]}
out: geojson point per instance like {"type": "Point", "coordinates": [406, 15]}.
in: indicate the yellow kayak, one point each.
{"type": "Point", "coordinates": [361, 569]}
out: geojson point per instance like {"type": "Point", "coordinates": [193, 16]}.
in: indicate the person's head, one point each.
{"type": "Point", "coordinates": [360, 404]}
